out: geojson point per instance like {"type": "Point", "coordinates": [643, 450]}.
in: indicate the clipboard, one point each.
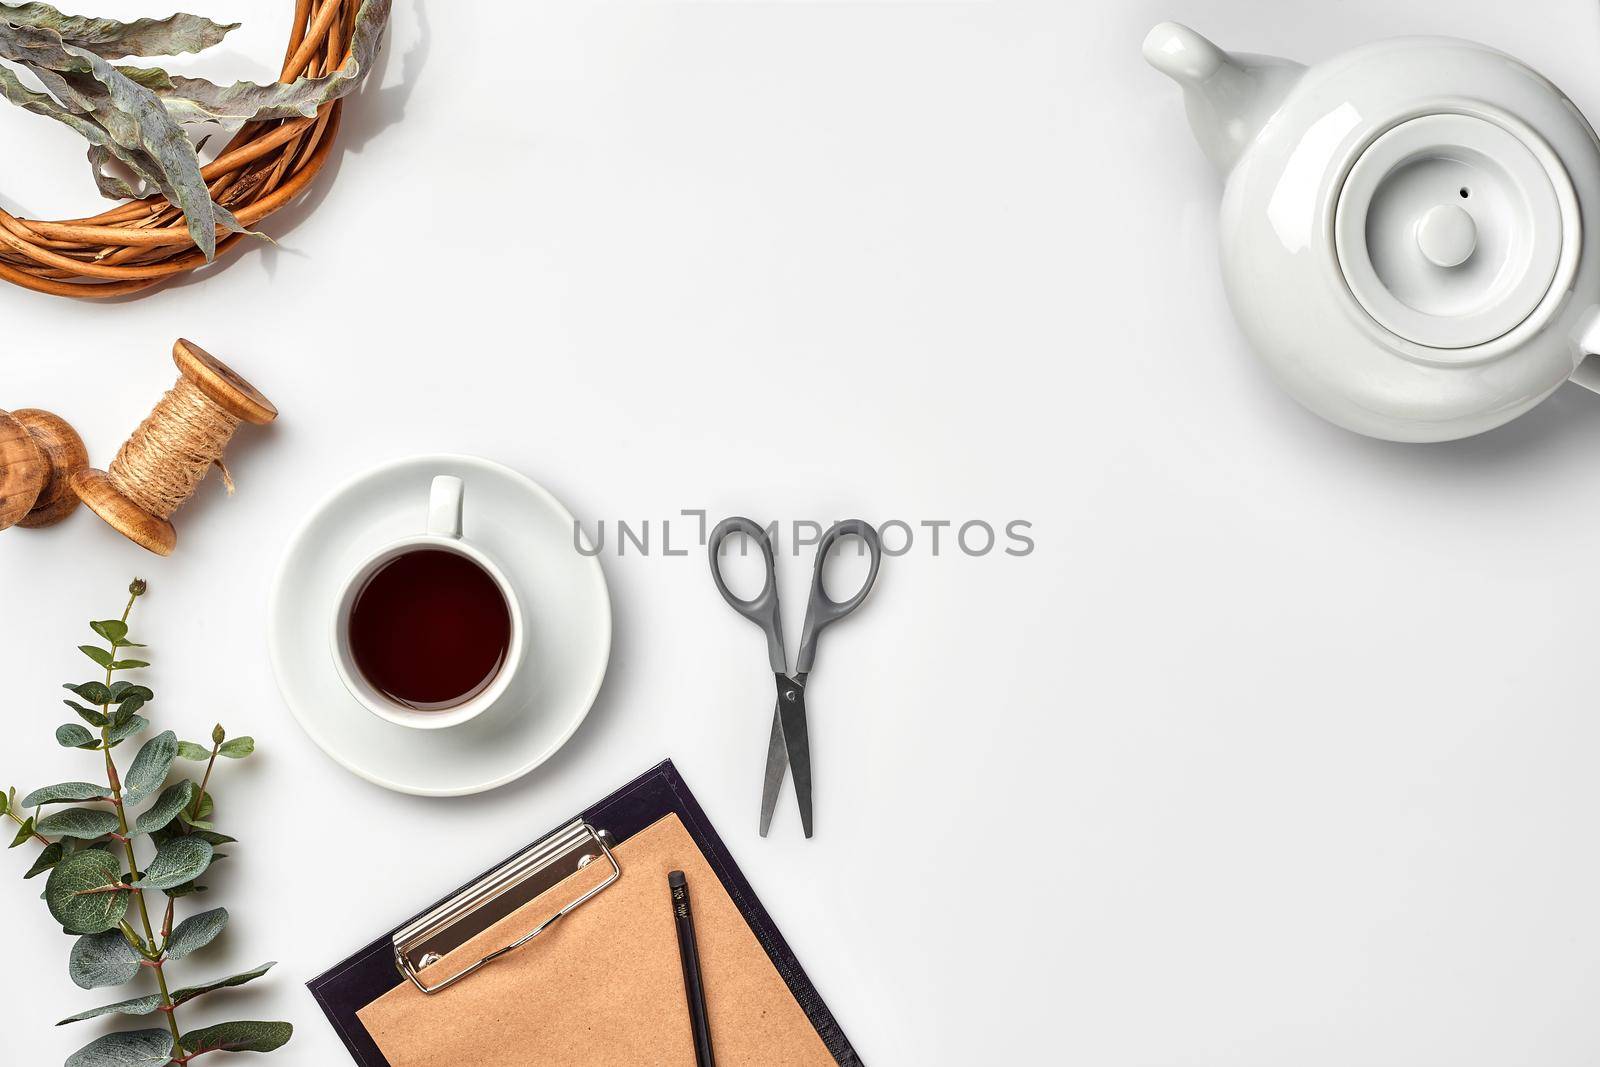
{"type": "Point", "coordinates": [414, 952]}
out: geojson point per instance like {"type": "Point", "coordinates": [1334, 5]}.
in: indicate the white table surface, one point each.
{"type": "Point", "coordinates": [1278, 749]}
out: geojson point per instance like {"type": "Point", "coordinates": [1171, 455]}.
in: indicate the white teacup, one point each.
{"type": "Point", "coordinates": [443, 533]}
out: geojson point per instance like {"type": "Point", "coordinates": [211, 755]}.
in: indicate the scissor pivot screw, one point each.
{"type": "Point", "coordinates": [788, 694]}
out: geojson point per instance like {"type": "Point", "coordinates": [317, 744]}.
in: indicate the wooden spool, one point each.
{"type": "Point", "coordinates": [39, 454]}
{"type": "Point", "coordinates": [223, 387]}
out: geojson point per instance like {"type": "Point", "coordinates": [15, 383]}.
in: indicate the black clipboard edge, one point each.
{"type": "Point", "coordinates": [349, 986]}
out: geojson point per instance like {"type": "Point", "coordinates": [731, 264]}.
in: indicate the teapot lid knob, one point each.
{"type": "Point", "coordinates": [1451, 229]}
{"type": "Point", "coordinates": [1447, 236]}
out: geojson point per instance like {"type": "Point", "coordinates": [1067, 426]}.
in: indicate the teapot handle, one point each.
{"type": "Point", "coordinates": [1588, 372]}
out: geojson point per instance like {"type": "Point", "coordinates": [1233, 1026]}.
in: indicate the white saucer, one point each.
{"type": "Point", "coordinates": [568, 631]}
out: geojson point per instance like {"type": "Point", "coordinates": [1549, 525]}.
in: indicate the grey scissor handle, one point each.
{"type": "Point", "coordinates": [823, 611]}
{"type": "Point", "coordinates": [763, 608]}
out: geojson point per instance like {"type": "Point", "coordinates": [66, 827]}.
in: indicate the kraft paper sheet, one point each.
{"type": "Point", "coordinates": [604, 985]}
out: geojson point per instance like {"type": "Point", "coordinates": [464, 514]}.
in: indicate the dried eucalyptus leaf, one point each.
{"type": "Point", "coordinates": [188, 993]}
{"type": "Point", "coordinates": [172, 800]}
{"type": "Point", "coordinates": [149, 77]}
{"type": "Point", "coordinates": [198, 100]}
{"type": "Point", "coordinates": [79, 896]}
{"type": "Point", "coordinates": [65, 792]}
{"type": "Point", "coordinates": [235, 1037]}
{"type": "Point", "coordinates": [179, 860]}
{"type": "Point", "coordinates": [136, 1006]}
{"type": "Point", "coordinates": [133, 1048]}
{"type": "Point", "coordinates": [102, 960]}
{"type": "Point", "coordinates": [196, 932]}
{"type": "Point", "coordinates": [179, 35]}
{"type": "Point", "coordinates": [149, 769]}
{"type": "Point", "coordinates": [141, 133]}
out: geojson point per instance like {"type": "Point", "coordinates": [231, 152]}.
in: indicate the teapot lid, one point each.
{"type": "Point", "coordinates": [1449, 229]}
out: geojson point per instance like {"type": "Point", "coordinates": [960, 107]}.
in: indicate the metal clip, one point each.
{"type": "Point", "coordinates": [427, 939]}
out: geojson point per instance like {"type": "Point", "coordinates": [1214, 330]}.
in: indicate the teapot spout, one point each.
{"type": "Point", "coordinates": [1229, 97]}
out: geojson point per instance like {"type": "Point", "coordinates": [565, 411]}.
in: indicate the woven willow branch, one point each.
{"type": "Point", "coordinates": [145, 242]}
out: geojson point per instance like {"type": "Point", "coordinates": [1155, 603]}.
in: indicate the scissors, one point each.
{"type": "Point", "coordinates": [790, 746]}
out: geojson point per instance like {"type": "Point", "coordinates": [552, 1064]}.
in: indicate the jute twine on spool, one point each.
{"type": "Point", "coordinates": [168, 454]}
{"type": "Point", "coordinates": [159, 466]}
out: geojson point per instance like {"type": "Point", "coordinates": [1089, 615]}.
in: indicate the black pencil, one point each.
{"type": "Point", "coordinates": [689, 952]}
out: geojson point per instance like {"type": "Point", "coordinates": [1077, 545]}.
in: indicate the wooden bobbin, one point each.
{"type": "Point", "coordinates": [228, 391]}
{"type": "Point", "coordinates": [39, 454]}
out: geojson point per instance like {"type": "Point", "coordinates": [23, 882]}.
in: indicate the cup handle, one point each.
{"type": "Point", "coordinates": [444, 506]}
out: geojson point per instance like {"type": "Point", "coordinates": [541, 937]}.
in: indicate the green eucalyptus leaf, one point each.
{"type": "Point", "coordinates": [136, 1006]}
{"type": "Point", "coordinates": [131, 1048]}
{"type": "Point", "coordinates": [236, 1037]}
{"type": "Point", "coordinates": [179, 860]}
{"type": "Point", "coordinates": [93, 692]}
{"type": "Point", "coordinates": [126, 710]}
{"type": "Point", "coordinates": [188, 993]}
{"type": "Point", "coordinates": [24, 834]}
{"type": "Point", "coordinates": [238, 748]}
{"type": "Point", "coordinates": [94, 718]}
{"type": "Point", "coordinates": [149, 769]}
{"type": "Point", "coordinates": [75, 735]}
{"type": "Point", "coordinates": [5, 803]}
{"type": "Point", "coordinates": [105, 959]}
{"type": "Point", "coordinates": [196, 932]}
{"type": "Point", "coordinates": [95, 652]}
{"type": "Point", "coordinates": [173, 799]}
{"type": "Point", "coordinates": [66, 792]}
{"type": "Point", "coordinates": [122, 731]}
{"type": "Point", "coordinates": [113, 630]}
{"type": "Point", "coordinates": [190, 751]}
{"type": "Point", "coordinates": [79, 896]}
{"type": "Point", "coordinates": [121, 691]}
{"type": "Point", "coordinates": [184, 890]}
{"type": "Point", "coordinates": [129, 664]}
{"type": "Point", "coordinates": [214, 837]}
{"type": "Point", "coordinates": [49, 856]}
{"type": "Point", "coordinates": [86, 824]}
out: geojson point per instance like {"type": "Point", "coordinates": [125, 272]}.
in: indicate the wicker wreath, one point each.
{"type": "Point", "coordinates": [144, 242]}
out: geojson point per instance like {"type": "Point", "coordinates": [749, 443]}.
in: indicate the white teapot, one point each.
{"type": "Point", "coordinates": [1409, 230]}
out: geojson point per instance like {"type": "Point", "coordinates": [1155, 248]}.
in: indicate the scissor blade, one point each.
{"type": "Point", "coordinates": [777, 763]}
{"type": "Point", "coordinates": [792, 714]}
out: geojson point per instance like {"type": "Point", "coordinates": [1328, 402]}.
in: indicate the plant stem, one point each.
{"type": "Point", "coordinates": [114, 780]}
{"type": "Point", "coordinates": [37, 836]}
{"type": "Point", "coordinates": [205, 780]}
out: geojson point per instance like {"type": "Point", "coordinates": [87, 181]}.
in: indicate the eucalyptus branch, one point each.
{"type": "Point", "coordinates": [98, 889]}
{"type": "Point", "coordinates": [135, 591]}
